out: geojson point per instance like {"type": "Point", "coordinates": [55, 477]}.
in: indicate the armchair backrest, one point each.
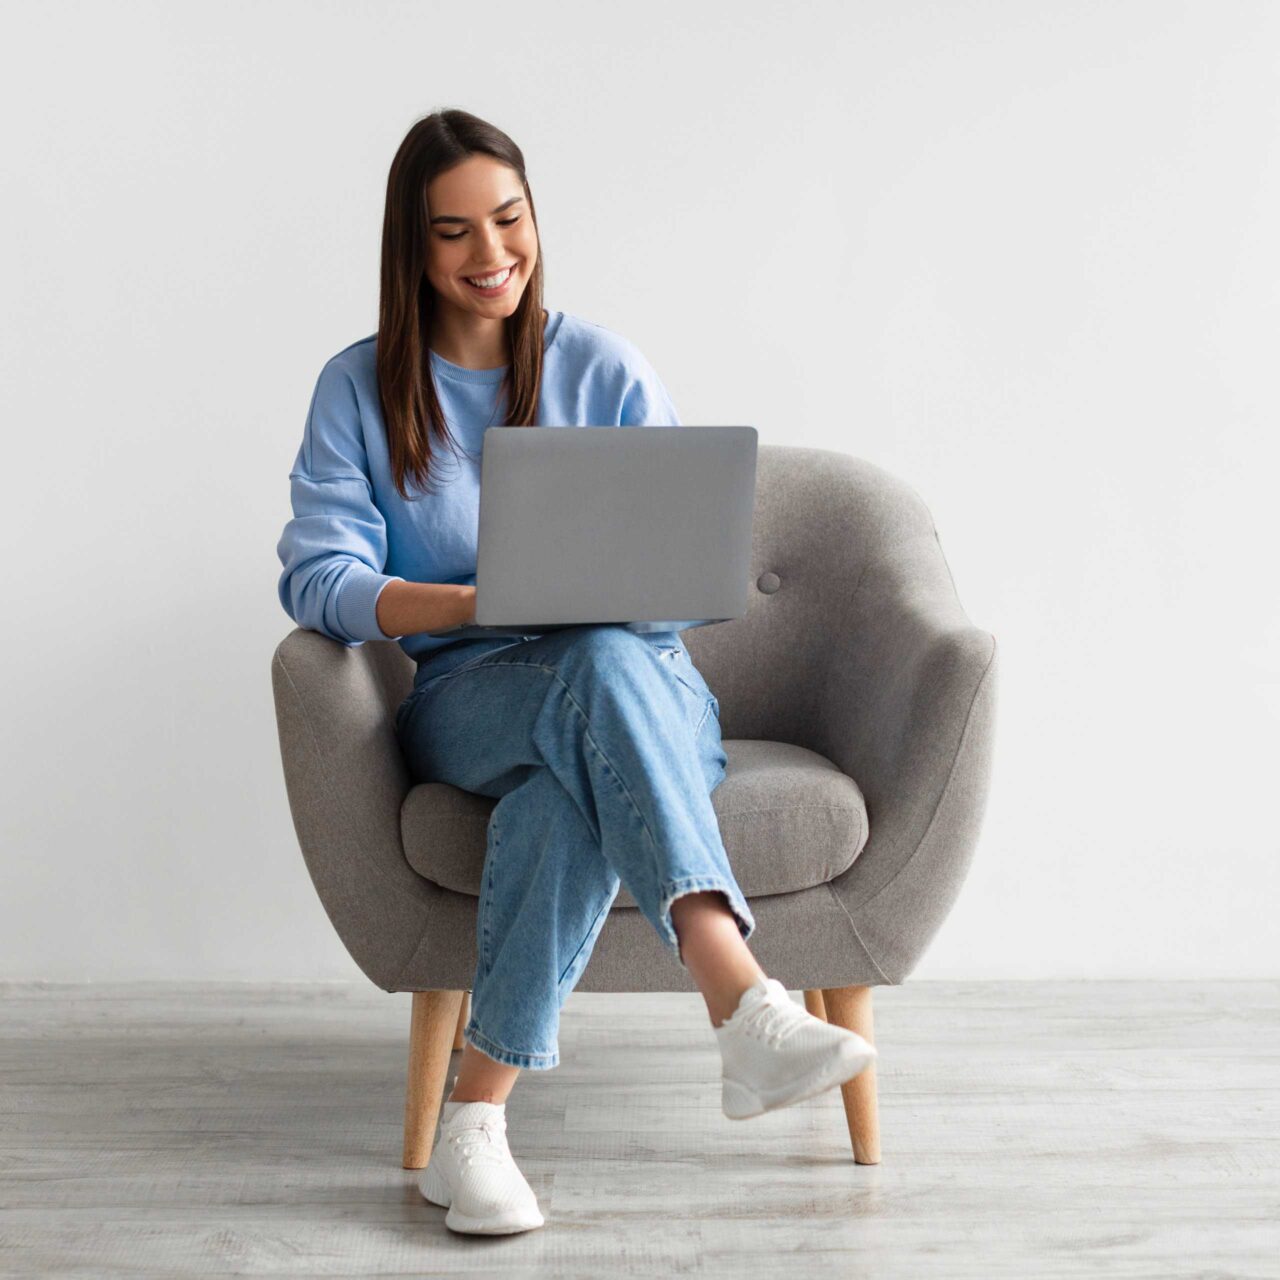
{"type": "Point", "coordinates": [821, 518]}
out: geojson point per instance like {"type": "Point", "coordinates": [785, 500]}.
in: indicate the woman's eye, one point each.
{"type": "Point", "coordinates": [502, 222]}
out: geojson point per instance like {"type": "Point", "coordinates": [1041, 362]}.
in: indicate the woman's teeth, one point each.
{"type": "Point", "coordinates": [489, 282]}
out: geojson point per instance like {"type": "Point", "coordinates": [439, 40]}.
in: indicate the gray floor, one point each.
{"type": "Point", "coordinates": [1029, 1129]}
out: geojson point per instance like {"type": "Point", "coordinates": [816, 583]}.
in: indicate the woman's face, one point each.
{"type": "Point", "coordinates": [479, 224]}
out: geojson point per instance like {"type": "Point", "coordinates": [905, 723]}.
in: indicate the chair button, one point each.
{"type": "Point", "coordinates": [768, 583]}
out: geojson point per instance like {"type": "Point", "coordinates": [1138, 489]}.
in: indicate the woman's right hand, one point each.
{"type": "Point", "coordinates": [406, 608]}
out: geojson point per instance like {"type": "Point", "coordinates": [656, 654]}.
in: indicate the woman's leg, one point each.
{"type": "Point", "coordinates": [545, 895]}
{"type": "Point", "coordinates": [714, 952]}
{"type": "Point", "coordinates": [545, 890]}
{"type": "Point", "coordinates": [481, 1079]}
{"type": "Point", "coordinates": [632, 736]}
{"type": "Point", "coordinates": [603, 747]}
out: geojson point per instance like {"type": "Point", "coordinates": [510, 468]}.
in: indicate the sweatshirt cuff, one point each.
{"type": "Point", "coordinates": [357, 605]}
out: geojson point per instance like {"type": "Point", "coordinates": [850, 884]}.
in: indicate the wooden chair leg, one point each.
{"type": "Point", "coordinates": [431, 1032]}
{"type": "Point", "coordinates": [464, 1016]}
{"type": "Point", "coordinates": [850, 1007]}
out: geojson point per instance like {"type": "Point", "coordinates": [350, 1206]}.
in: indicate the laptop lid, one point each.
{"type": "Point", "coordinates": [609, 524]}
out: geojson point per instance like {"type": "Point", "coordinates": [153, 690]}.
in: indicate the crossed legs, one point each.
{"type": "Point", "coordinates": [602, 749]}
{"type": "Point", "coordinates": [714, 952]}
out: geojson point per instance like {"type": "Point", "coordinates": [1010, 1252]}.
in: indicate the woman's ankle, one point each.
{"type": "Point", "coordinates": [724, 1003]}
{"type": "Point", "coordinates": [481, 1095]}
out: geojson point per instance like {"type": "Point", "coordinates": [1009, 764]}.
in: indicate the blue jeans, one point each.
{"type": "Point", "coordinates": [602, 747]}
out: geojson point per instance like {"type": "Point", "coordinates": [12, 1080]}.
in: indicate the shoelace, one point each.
{"type": "Point", "coordinates": [481, 1142]}
{"type": "Point", "coordinates": [774, 1022]}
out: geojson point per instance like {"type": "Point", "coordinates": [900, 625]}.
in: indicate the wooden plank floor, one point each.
{"type": "Point", "coordinates": [1030, 1130]}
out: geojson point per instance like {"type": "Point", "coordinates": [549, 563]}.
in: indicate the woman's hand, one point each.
{"type": "Point", "coordinates": [406, 608]}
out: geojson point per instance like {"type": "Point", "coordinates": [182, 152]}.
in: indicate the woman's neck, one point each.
{"type": "Point", "coordinates": [472, 342]}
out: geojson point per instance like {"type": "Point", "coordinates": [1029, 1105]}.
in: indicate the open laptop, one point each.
{"type": "Point", "coordinates": [632, 525]}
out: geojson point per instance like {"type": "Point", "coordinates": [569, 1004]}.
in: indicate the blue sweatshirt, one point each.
{"type": "Point", "coordinates": [352, 533]}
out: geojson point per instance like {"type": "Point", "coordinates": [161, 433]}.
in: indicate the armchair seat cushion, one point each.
{"type": "Point", "coordinates": [789, 818]}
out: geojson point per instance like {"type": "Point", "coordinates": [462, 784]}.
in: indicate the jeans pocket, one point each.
{"type": "Point", "coordinates": [683, 669]}
{"type": "Point", "coordinates": [679, 660]}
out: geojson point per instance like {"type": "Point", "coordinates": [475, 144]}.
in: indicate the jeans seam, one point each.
{"type": "Point", "coordinates": [591, 929]}
{"type": "Point", "coordinates": [458, 670]}
{"type": "Point", "coordinates": [485, 952]}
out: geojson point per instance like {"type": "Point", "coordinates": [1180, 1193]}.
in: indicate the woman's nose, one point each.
{"type": "Point", "coordinates": [490, 248]}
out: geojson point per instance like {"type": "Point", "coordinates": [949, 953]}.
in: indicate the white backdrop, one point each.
{"type": "Point", "coordinates": [1016, 253]}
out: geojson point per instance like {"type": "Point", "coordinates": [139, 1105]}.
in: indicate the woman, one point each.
{"type": "Point", "coordinates": [601, 745]}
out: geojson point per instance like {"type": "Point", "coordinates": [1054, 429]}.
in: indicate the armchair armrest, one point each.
{"type": "Point", "coordinates": [346, 779]}
{"type": "Point", "coordinates": [908, 712]}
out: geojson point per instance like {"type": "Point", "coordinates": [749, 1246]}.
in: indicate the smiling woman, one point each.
{"type": "Point", "coordinates": [463, 344]}
{"type": "Point", "coordinates": [461, 277]}
{"type": "Point", "coordinates": [585, 735]}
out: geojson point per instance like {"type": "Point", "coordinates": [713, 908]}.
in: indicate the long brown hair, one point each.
{"type": "Point", "coordinates": [410, 404]}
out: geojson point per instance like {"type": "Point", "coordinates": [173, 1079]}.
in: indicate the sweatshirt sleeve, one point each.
{"type": "Point", "coordinates": [334, 549]}
{"type": "Point", "coordinates": [645, 402]}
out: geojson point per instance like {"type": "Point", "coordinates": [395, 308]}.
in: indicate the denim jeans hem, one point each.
{"type": "Point", "coordinates": [532, 1061]}
{"type": "Point", "coordinates": [673, 889]}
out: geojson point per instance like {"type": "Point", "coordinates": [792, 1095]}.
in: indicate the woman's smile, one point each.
{"type": "Point", "coordinates": [504, 278]}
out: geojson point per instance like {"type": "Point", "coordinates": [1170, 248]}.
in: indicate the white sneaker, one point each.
{"type": "Point", "coordinates": [472, 1173]}
{"type": "Point", "coordinates": [775, 1052]}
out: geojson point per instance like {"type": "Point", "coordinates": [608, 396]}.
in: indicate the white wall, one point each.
{"type": "Point", "coordinates": [1047, 298]}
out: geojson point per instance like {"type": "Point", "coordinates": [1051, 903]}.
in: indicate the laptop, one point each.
{"type": "Point", "coordinates": [647, 527]}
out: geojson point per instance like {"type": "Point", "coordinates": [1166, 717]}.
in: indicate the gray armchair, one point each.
{"type": "Point", "coordinates": [856, 706]}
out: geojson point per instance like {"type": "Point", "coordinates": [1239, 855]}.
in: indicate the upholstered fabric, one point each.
{"type": "Point", "coordinates": [855, 687]}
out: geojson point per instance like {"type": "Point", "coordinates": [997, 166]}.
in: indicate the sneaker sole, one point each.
{"type": "Point", "coordinates": [435, 1190]}
{"type": "Point", "coordinates": [739, 1102]}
